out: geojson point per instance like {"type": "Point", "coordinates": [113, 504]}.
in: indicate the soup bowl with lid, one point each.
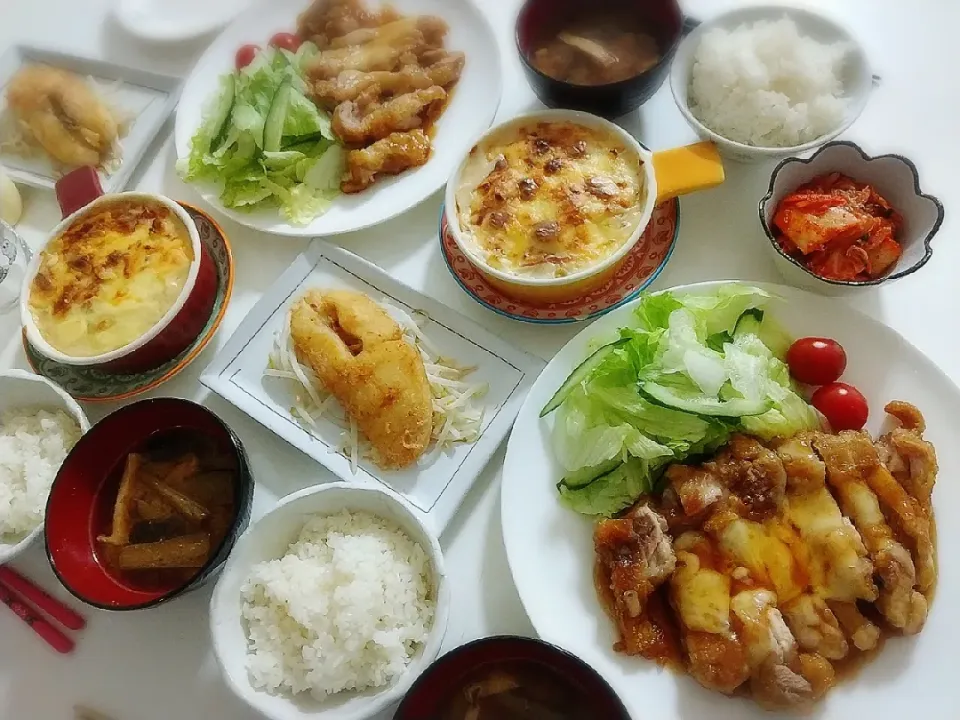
{"type": "Point", "coordinates": [657, 177]}
{"type": "Point", "coordinates": [180, 322]}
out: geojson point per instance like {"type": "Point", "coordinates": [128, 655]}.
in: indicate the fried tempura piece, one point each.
{"type": "Point", "coordinates": [63, 115]}
{"type": "Point", "coordinates": [391, 156]}
{"type": "Point", "coordinates": [366, 120]}
{"type": "Point", "coordinates": [187, 551]}
{"type": "Point", "coordinates": [358, 352]}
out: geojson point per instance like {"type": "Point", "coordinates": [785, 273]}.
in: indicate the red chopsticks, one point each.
{"type": "Point", "coordinates": [16, 590]}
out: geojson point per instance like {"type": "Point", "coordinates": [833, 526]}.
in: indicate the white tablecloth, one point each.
{"type": "Point", "coordinates": [156, 665]}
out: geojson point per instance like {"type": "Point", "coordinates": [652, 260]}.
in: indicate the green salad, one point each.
{"type": "Point", "coordinates": [265, 143]}
{"type": "Point", "coordinates": [689, 370]}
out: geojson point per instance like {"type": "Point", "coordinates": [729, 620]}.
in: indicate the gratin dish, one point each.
{"type": "Point", "coordinates": [895, 177]}
{"type": "Point", "coordinates": [857, 76]}
{"type": "Point", "coordinates": [662, 176]}
{"type": "Point", "coordinates": [20, 389]}
{"type": "Point", "coordinates": [78, 509]}
{"type": "Point", "coordinates": [268, 538]}
{"type": "Point", "coordinates": [183, 320]}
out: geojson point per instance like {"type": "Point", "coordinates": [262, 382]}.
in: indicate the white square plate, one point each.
{"type": "Point", "coordinates": [435, 487]}
{"type": "Point", "coordinates": [148, 97]}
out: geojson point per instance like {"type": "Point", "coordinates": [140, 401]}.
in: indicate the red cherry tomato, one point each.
{"type": "Point", "coordinates": [843, 406]}
{"type": "Point", "coordinates": [245, 55]}
{"type": "Point", "coordinates": [816, 361]}
{"type": "Point", "coordinates": [287, 41]}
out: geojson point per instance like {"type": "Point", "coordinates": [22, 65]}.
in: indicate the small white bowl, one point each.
{"type": "Point", "coordinates": [21, 389]}
{"type": "Point", "coordinates": [268, 539]}
{"type": "Point", "coordinates": [858, 77]}
{"type": "Point", "coordinates": [894, 177]}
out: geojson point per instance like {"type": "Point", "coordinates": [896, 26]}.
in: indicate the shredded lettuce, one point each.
{"type": "Point", "coordinates": [687, 372]}
{"type": "Point", "coordinates": [232, 147]}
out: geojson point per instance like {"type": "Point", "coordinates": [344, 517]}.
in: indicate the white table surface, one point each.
{"type": "Point", "coordinates": [157, 665]}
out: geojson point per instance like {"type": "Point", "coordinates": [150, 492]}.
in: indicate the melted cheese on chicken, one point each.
{"type": "Point", "coordinates": [110, 277]}
{"type": "Point", "coordinates": [550, 199]}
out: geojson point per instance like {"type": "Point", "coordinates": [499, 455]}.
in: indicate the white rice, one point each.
{"type": "Point", "coordinates": [346, 608]}
{"type": "Point", "coordinates": [767, 85]}
{"type": "Point", "coordinates": [33, 445]}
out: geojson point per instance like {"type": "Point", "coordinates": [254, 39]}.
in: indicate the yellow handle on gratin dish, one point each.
{"type": "Point", "coordinates": [686, 169]}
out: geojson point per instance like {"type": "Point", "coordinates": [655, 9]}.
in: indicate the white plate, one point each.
{"type": "Point", "coordinates": [550, 548]}
{"type": "Point", "coordinates": [148, 97]}
{"type": "Point", "coordinates": [469, 113]}
{"type": "Point", "coordinates": [175, 20]}
{"type": "Point", "coordinates": [436, 487]}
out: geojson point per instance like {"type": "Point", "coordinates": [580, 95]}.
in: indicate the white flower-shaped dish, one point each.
{"type": "Point", "coordinates": [894, 177]}
{"type": "Point", "coordinates": [267, 539]}
{"type": "Point", "coordinates": [23, 390]}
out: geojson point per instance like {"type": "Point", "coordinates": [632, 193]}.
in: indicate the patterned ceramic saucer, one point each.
{"type": "Point", "coordinates": [92, 385]}
{"type": "Point", "coordinates": [641, 267]}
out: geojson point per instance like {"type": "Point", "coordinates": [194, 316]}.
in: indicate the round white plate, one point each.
{"type": "Point", "coordinates": [550, 548]}
{"type": "Point", "coordinates": [469, 113]}
{"type": "Point", "coordinates": [175, 20]}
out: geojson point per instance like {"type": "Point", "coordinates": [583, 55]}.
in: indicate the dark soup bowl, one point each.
{"type": "Point", "coordinates": [607, 57]}
{"type": "Point", "coordinates": [148, 505]}
{"type": "Point", "coordinates": [509, 678]}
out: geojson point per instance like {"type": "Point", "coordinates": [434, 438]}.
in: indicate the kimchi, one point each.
{"type": "Point", "coordinates": [839, 228]}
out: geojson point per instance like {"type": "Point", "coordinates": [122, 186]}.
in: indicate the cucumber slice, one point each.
{"type": "Point", "coordinates": [273, 125]}
{"type": "Point", "coordinates": [748, 323]}
{"type": "Point", "coordinates": [221, 113]}
{"type": "Point", "coordinates": [581, 373]}
{"type": "Point", "coordinates": [706, 406]}
{"type": "Point", "coordinates": [585, 476]}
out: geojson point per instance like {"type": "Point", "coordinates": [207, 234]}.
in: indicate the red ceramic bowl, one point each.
{"type": "Point", "coordinates": [542, 19]}
{"type": "Point", "coordinates": [78, 192]}
{"type": "Point", "coordinates": [433, 690]}
{"type": "Point", "coordinates": [81, 500]}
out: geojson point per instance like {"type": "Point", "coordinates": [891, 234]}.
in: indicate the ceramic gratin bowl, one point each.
{"type": "Point", "coordinates": [81, 196]}
{"type": "Point", "coordinates": [92, 384]}
{"type": "Point", "coordinates": [895, 177]}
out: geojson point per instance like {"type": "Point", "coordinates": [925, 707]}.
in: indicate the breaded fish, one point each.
{"type": "Point", "coordinates": [359, 354]}
{"type": "Point", "coordinates": [63, 114]}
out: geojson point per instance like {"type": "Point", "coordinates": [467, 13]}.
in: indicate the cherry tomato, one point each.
{"type": "Point", "coordinates": [245, 55]}
{"type": "Point", "coordinates": [816, 361]}
{"type": "Point", "coordinates": [843, 406]}
{"type": "Point", "coordinates": [287, 41]}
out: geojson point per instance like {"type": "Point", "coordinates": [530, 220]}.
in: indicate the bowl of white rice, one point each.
{"type": "Point", "coordinates": [39, 424]}
{"type": "Point", "coordinates": [330, 605]}
{"type": "Point", "coordinates": [768, 82]}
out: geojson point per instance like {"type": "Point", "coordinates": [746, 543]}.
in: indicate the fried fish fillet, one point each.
{"type": "Point", "coordinates": [63, 114]}
{"type": "Point", "coordinates": [359, 354]}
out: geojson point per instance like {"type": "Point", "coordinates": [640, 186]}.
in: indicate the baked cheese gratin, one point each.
{"type": "Point", "coordinates": [549, 199]}
{"type": "Point", "coordinates": [110, 277]}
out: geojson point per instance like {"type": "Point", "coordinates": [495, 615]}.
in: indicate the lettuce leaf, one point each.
{"type": "Point", "coordinates": [707, 350]}
{"type": "Point", "coordinates": [302, 179]}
